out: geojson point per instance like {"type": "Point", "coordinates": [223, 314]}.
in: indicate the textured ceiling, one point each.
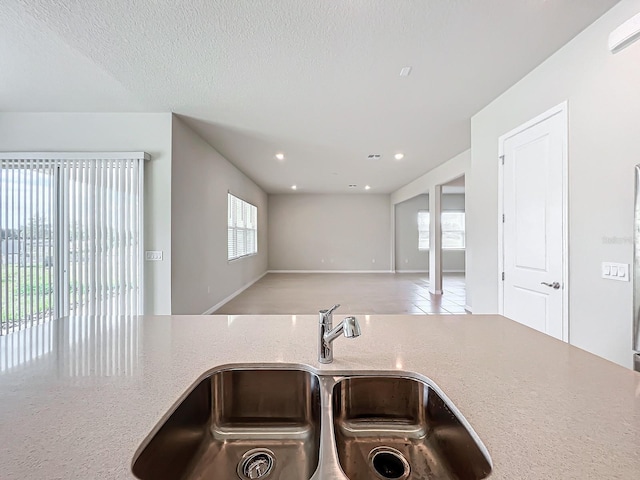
{"type": "Point", "coordinates": [40, 72]}
{"type": "Point", "coordinates": [317, 80]}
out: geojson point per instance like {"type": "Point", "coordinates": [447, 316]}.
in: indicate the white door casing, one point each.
{"type": "Point", "coordinates": [533, 249]}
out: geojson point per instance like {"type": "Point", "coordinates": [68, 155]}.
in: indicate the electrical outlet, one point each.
{"type": "Point", "coordinates": [153, 255]}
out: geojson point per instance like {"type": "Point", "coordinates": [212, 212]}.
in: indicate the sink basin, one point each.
{"type": "Point", "coordinates": [286, 422]}
{"type": "Point", "coordinates": [238, 423]}
{"type": "Point", "coordinates": [390, 427]}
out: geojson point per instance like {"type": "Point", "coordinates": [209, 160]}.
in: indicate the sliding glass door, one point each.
{"type": "Point", "coordinates": [28, 206]}
{"type": "Point", "coordinates": [71, 238]}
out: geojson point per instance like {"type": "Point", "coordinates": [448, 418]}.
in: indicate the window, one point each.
{"type": "Point", "coordinates": [71, 227]}
{"type": "Point", "coordinates": [242, 228]}
{"type": "Point", "coordinates": [453, 231]}
{"type": "Point", "coordinates": [423, 230]}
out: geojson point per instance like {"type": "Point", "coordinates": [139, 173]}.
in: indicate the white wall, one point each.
{"type": "Point", "coordinates": [408, 257]}
{"type": "Point", "coordinates": [149, 132]}
{"type": "Point", "coordinates": [603, 93]}
{"type": "Point", "coordinates": [201, 177]}
{"type": "Point", "coordinates": [329, 232]}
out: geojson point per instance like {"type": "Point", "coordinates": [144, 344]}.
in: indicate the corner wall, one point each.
{"type": "Point", "coordinates": [603, 97]}
{"type": "Point", "coordinates": [201, 275]}
{"type": "Point", "coordinates": [104, 132]}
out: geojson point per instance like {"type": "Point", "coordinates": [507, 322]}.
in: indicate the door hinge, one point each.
{"type": "Point", "coordinates": [503, 218]}
{"type": "Point", "coordinates": [503, 276]}
{"type": "Point", "coordinates": [501, 159]}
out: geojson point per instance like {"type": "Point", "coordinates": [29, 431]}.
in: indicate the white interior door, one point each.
{"type": "Point", "coordinates": [533, 224]}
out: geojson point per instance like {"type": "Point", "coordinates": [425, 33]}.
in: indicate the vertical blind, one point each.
{"type": "Point", "coordinates": [242, 228]}
{"type": "Point", "coordinates": [71, 236]}
{"type": "Point", "coordinates": [27, 216]}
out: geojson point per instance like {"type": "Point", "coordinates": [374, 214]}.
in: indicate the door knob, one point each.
{"type": "Point", "coordinates": [554, 285]}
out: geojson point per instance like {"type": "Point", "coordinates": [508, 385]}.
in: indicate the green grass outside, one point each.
{"type": "Point", "coordinates": [19, 296]}
{"type": "Point", "coordinates": [40, 288]}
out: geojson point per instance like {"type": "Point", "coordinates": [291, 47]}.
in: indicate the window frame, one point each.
{"type": "Point", "coordinates": [464, 232]}
{"type": "Point", "coordinates": [247, 224]}
{"type": "Point", "coordinates": [428, 214]}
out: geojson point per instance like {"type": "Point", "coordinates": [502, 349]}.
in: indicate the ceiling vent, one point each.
{"type": "Point", "coordinates": [374, 156]}
{"type": "Point", "coordinates": [352, 185]}
{"type": "Point", "coordinates": [405, 71]}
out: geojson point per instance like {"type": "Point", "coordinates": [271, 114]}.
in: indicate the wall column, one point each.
{"type": "Point", "coordinates": [435, 240]}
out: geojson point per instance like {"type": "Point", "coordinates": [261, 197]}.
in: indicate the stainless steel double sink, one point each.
{"type": "Point", "coordinates": [290, 422]}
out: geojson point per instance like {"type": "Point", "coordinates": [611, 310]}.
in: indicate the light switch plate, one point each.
{"type": "Point", "coordinates": [153, 255]}
{"type": "Point", "coordinates": [615, 271]}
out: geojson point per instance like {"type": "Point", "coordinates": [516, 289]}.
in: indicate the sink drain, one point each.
{"type": "Point", "coordinates": [388, 463]}
{"type": "Point", "coordinates": [256, 463]}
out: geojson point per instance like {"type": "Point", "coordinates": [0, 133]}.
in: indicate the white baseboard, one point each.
{"type": "Point", "coordinates": [427, 271]}
{"type": "Point", "coordinates": [330, 271]}
{"type": "Point", "coordinates": [360, 271]}
{"type": "Point", "coordinates": [233, 295]}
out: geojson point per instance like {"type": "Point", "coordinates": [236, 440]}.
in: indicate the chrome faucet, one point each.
{"type": "Point", "coordinates": [327, 334]}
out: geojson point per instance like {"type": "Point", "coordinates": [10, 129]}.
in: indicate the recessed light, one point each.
{"type": "Point", "coordinates": [367, 187]}
{"type": "Point", "coordinates": [399, 156]}
{"type": "Point", "coordinates": [280, 156]}
{"type": "Point", "coordinates": [294, 187]}
{"type": "Point", "coordinates": [405, 71]}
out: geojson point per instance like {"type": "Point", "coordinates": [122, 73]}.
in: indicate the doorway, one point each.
{"type": "Point", "coordinates": [412, 221]}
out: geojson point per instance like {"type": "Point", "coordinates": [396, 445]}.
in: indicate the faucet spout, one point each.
{"type": "Point", "coordinates": [349, 326]}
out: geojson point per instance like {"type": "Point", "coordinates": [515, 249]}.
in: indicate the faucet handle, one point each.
{"type": "Point", "coordinates": [329, 311]}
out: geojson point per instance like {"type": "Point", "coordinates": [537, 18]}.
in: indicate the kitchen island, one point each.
{"type": "Point", "coordinates": [78, 396]}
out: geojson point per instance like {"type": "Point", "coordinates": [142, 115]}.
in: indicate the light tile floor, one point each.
{"type": "Point", "coordinates": [358, 293]}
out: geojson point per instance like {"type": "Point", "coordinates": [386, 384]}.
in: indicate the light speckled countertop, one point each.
{"type": "Point", "coordinates": [77, 397]}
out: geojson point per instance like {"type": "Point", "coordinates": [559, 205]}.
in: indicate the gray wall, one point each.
{"type": "Point", "coordinates": [603, 94]}
{"type": "Point", "coordinates": [329, 232]}
{"type": "Point", "coordinates": [200, 273]}
{"type": "Point", "coordinates": [100, 132]}
{"type": "Point", "coordinates": [408, 257]}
